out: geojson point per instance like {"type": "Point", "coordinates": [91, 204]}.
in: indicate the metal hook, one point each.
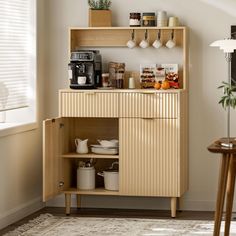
{"type": "Point", "coordinates": [132, 35]}
{"type": "Point", "coordinates": [172, 34]}
{"type": "Point", "coordinates": [159, 34]}
{"type": "Point", "coordinates": [146, 34]}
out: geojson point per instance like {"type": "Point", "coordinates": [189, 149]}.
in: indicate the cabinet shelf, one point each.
{"type": "Point", "coordinates": [89, 155]}
{"type": "Point", "coordinates": [96, 191]}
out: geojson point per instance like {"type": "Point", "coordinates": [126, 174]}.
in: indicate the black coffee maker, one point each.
{"type": "Point", "coordinates": [85, 69]}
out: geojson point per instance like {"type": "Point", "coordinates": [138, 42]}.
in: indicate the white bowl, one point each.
{"type": "Point", "coordinates": [107, 143]}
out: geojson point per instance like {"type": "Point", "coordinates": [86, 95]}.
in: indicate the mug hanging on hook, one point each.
{"type": "Point", "coordinates": [131, 43]}
{"type": "Point", "coordinates": [157, 43]}
{"type": "Point", "coordinates": [144, 43]}
{"type": "Point", "coordinates": [171, 43]}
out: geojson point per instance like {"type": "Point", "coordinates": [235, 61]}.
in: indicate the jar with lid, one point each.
{"type": "Point", "coordinates": [116, 74]}
{"type": "Point", "coordinates": [149, 19]}
{"type": "Point", "coordinates": [135, 19]}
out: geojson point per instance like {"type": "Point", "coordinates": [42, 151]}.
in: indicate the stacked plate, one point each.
{"type": "Point", "coordinates": [106, 147]}
{"type": "Point", "coordinates": [162, 19]}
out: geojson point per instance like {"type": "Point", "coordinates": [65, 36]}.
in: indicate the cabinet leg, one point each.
{"type": "Point", "coordinates": [173, 206]}
{"type": "Point", "coordinates": [78, 198]}
{"type": "Point", "coordinates": [68, 203]}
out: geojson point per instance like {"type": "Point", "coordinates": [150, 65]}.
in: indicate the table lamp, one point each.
{"type": "Point", "coordinates": [228, 46]}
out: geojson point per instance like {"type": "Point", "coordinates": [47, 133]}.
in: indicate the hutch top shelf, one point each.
{"type": "Point", "coordinates": [118, 36]}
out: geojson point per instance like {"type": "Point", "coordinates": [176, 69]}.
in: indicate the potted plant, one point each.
{"type": "Point", "coordinates": [228, 100]}
{"type": "Point", "coordinates": [99, 13]}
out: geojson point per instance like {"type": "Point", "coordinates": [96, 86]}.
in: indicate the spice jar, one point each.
{"type": "Point", "coordinates": [149, 19]}
{"type": "Point", "coordinates": [135, 19]}
{"type": "Point", "coordinates": [116, 74]}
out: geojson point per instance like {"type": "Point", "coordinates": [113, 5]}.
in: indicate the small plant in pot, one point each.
{"type": "Point", "coordinates": [99, 13]}
{"type": "Point", "coordinates": [228, 100]}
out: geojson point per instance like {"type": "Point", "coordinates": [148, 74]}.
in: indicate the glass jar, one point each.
{"type": "Point", "coordinates": [135, 19]}
{"type": "Point", "coordinates": [116, 74]}
{"type": "Point", "coordinates": [149, 19]}
{"type": "Point", "coordinates": [105, 79]}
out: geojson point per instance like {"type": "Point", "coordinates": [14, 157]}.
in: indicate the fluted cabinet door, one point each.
{"type": "Point", "coordinates": [149, 157]}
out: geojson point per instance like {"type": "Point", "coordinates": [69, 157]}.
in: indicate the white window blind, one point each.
{"type": "Point", "coordinates": [16, 50]}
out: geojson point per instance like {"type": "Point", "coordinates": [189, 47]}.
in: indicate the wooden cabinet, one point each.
{"type": "Point", "coordinates": [151, 129]}
{"type": "Point", "coordinates": [151, 126]}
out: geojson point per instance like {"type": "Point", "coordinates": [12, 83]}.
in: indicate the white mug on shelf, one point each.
{"type": "Point", "coordinates": [170, 44]}
{"type": "Point", "coordinates": [157, 44]}
{"type": "Point", "coordinates": [131, 44]}
{"type": "Point", "coordinates": [144, 44]}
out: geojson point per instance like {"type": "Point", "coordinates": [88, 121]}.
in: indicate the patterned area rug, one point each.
{"type": "Point", "coordinates": [49, 225]}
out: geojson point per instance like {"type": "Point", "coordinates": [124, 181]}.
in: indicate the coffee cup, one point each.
{"type": "Point", "coordinates": [157, 43]}
{"type": "Point", "coordinates": [144, 43]}
{"type": "Point", "coordinates": [81, 80]}
{"type": "Point", "coordinates": [170, 44]}
{"type": "Point", "coordinates": [131, 44]}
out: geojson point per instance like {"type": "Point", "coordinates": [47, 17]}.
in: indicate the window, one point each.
{"type": "Point", "coordinates": [17, 62]}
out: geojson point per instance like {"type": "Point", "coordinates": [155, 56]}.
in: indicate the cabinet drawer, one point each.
{"type": "Point", "coordinates": [88, 104]}
{"type": "Point", "coordinates": [155, 105]}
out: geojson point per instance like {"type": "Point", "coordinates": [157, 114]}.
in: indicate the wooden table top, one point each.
{"type": "Point", "coordinates": [217, 148]}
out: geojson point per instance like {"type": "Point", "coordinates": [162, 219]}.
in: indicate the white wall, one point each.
{"type": "Point", "coordinates": [21, 156]}
{"type": "Point", "coordinates": [207, 69]}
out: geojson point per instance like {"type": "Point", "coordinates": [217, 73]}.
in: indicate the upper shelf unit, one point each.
{"type": "Point", "coordinates": [118, 36]}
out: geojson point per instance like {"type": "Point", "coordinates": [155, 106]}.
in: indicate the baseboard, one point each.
{"type": "Point", "coordinates": [134, 203]}
{"type": "Point", "coordinates": [20, 212]}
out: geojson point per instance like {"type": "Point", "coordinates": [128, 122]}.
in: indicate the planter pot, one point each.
{"type": "Point", "coordinates": [99, 18]}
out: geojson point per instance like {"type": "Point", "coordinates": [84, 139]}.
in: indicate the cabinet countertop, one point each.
{"type": "Point", "coordinates": [144, 91]}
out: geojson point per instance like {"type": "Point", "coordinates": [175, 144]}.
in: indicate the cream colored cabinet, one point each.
{"type": "Point", "coordinates": [151, 125]}
{"type": "Point", "coordinates": [152, 132]}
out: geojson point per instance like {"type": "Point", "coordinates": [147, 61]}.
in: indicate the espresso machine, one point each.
{"type": "Point", "coordinates": [85, 69]}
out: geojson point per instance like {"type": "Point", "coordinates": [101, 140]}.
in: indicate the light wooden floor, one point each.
{"type": "Point", "coordinates": [148, 214]}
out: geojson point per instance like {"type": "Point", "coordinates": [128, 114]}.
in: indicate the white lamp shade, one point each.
{"type": "Point", "coordinates": [227, 45]}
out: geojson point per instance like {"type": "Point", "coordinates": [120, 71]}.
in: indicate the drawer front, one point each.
{"type": "Point", "coordinates": [89, 104]}
{"type": "Point", "coordinates": [155, 105]}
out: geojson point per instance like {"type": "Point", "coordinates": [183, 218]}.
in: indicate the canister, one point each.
{"type": "Point", "coordinates": [135, 19]}
{"type": "Point", "coordinates": [85, 178]}
{"type": "Point", "coordinates": [149, 19]}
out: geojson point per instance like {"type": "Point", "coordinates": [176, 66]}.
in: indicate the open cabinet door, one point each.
{"type": "Point", "coordinates": [52, 161]}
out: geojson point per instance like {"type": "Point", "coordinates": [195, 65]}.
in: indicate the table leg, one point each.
{"type": "Point", "coordinates": [230, 193]}
{"type": "Point", "coordinates": [221, 192]}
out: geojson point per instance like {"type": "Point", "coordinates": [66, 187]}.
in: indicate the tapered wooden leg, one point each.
{"type": "Point", "coordinates": [221, 192]}
{"type": "Point", "coordinates": [78, 198]}
{"type": "Point", "coordinates": [173, 206]}
{"type": "Point", "coordinates": [230, 193]}
{"type": "Point", "coordinates": [68, 203]}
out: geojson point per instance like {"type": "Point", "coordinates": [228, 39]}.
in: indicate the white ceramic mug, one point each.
{"type": "Point", "coordinates": [81, 80]}
{"type": "Point", "coordinates": [131, 44]}
{"type": "Point", "coordinates": [157, 43]}
{"type": "Point", "coordinates": [144, 44]}
{"type": "Point", "coordinates": [170, 44]}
